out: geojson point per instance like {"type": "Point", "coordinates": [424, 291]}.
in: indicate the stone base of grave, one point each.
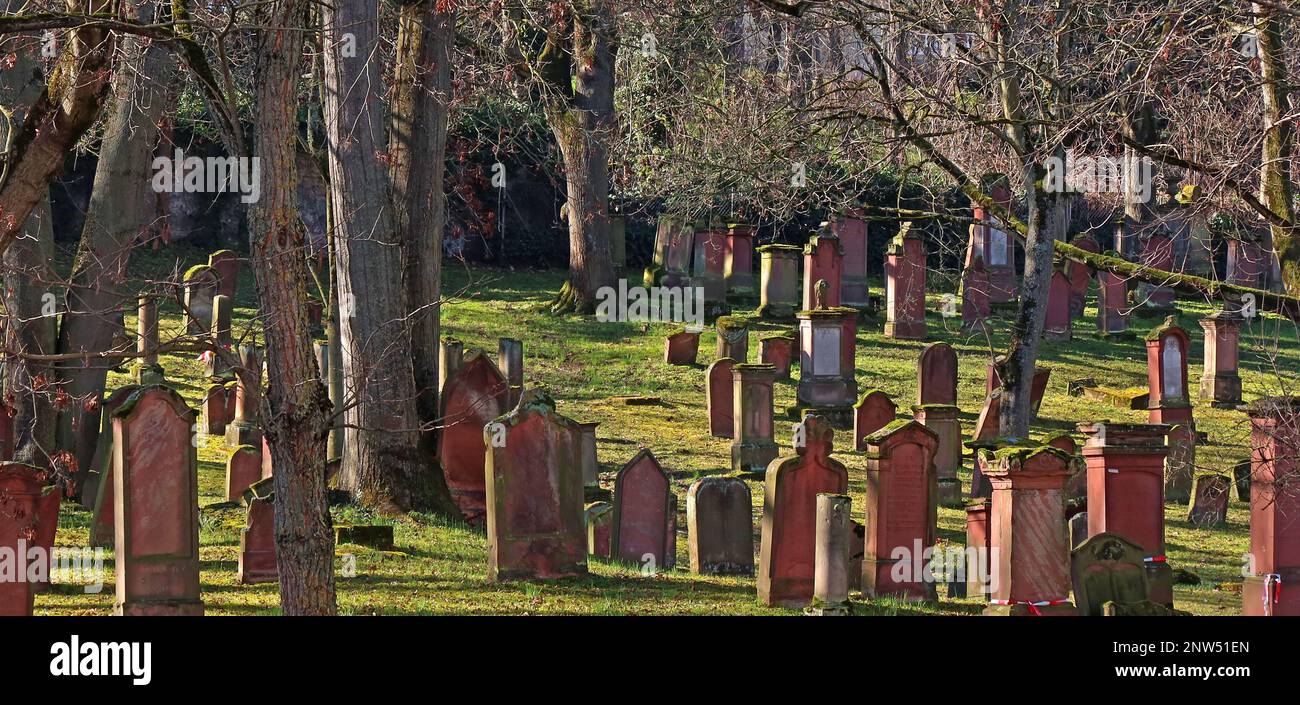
{"type": "Point", "coordinates": [877, 581]}
{"type": "Point", "coordinates": [159, 608]}
{"type": "Point", "coordinates": [753, 457]}
{"type": "Point", "coordinates": [242, 433]}
{"type": "Point", "coordinates": [1160, 583]}
{"type": "Point", "coordinates": [839, 609]}
{"type": "Point", "coordinates": [377, 537]}
{"type": "Point", "coordinates": [1288, 598]}
{"type": "Point", "coordinates": [1223, 389]}
{"type": "Point", "coordinates": [905, 330]}
{"type": "Point", "coordinates": [256, 566]}
{"type": "Point", "coordinates": [776, 312]}
{"type": "Point", "coordinates": [1021, 610]}
{"type": "Point", "coordinates": [146, 374]}
{"type": "Point", "coordinates": [950, 492]}
{"type": "Point", "coordinates": [840, 417]}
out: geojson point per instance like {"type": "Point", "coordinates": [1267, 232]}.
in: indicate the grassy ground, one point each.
{"type": "Point", "coordinates": [439, 568]}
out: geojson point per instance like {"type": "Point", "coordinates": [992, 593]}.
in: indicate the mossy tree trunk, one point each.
{"type": "Point", "coordinates": [1275, 163]}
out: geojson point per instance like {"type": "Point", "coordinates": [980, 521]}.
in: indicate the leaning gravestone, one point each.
{"type": "Point", "coordinates": [257, 539]}
{"type": "Point", "coordinates": [733, 338]}
{"type": "Point", "coordinates": [534, 493]}
{"type": "Point", "coordinates": [473, 396]}
{"type": "Point", "coordinates": [243, 468]}
{"type": "Point", "coordinates": [1108, 569]}
{"type": "Point", "coordinates": [641, 512]}
{"type": "Point", "coordinates": [787, 553]}
{"type": "Point", "coordinates": [1209, 504]}
{"type": "Point", "coordinates": [155, 493]}
{"type": "Point", "coordinates": [226, 266]}
{"type": "Point", "coordinates": [872, 412]}
{"type": "Point", "coordinates": [719, 520]}
{"type": "Point", "coordinates": [1078, 528]}
{"type": "Point", "coordinates": [682, 347]}
{"type": "Point", "coordinates": [200, 285]}
{"type": "Point", "coordinates": [1180, 465]}
{"type": "Point", "coordinates": [99, 485]}
{"type": "Point", "coordinates": [599, 519]}
{"type": "Point", "coordinates": [243, 427]}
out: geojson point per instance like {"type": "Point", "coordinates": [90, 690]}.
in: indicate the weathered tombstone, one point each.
{"type": "Point", "coordinates": [99, 486]}
{"type": "Point", "coordinates": [451, 355]}
{"type": "Point", "coordinates": [1274, 506]}
{"type": "Point", "coordinates": [739, 268]}
{"type": "Point", "coordinates": [534, 494]}
{"type": "Point", "coordinates": [905, 285]}
{"type": "Point", "coordinates": [1180, 464]}
{"type": "Point", "coordinates": [682, 347]}
{"type": "Point", "coordinates": [1107, 568]}
{"type": "Point", "coordinates": [901, 511]}
{"type": "Point", "coordinates": [733, 338]}
{"type": "Point", "coordinates": [510, 352]}
{"type": "Point", "coordinates": [872, 412]}
{"type": "Point", "coordinates": [226, 266]}
{"type": "Point", "coordinates": [977, 547]}
{"type": "Point", "coordinates": [936, 384]}
{"type": "Point", "coordinates": [146, 370]}
{"type": "Point", "coordinates": [599, 520]}
{"type": "Point", "coordinates": [1157, 254]}
{"type": "Point", "coordinates": [257, 539]}
{"type": "Point", "coordinates": [720, 397]}
{"type": "Point", "coordinates": [779, 281]}
{"type": "Point", "coordinates": [676, 236]}
{"type": "Point", "coordinates": [1246, 266]}
{"type": "Point", "coordinates": [1037, 388]}
{"type": "Point", "coordinates": [590, 458]}
{"type": "Point", "coordinates": [823, 259]}
{"type": "Point", "coordinates": [1126, 470]}
{"type": "Point", "coordinates": [1057, 325]}
{"type": "Point", "coordinates": [1080, 275]}
{"type": "Point", "coordinates": [851, 229]}
{"type": "Point", "coordinates": [215, 406]}
{"type": "Point", "coordinates": [1209, 504]}
{"type": "Point", "coordinates": [987, 423]}
{"type": "Point", "coordinates": [710, 261]}
{"type": "Point", "coordinates": [1079, 529]}
{"type": "Point", "coordinates": [777, 351]}
{"type": "Point", "coordinates": [641, 512]}
{"type": "Point", "coordinates": [1167, 374]}
{"type": "Point", "coordinates": [827, 383]}
{"type": "Point", "coordinates": [831, 556]}
{"type": "Point", "coordinates": [720, 530]}
{"type": "Point", "coordinates": [975, 305]}
{"type": "Point", "coordinates": [472, 397]}
{"type": "Point", "coordinates": [156, 505]}
{"type": "Point", "coordinates": [243, 469]}
{"type": "Point", "coordinates": [1220, 381]}
{"type": "Point", "coordinates": [936, 375]}
{"type": "Point", "coordinates": [243, 429]}
{"type": "Point", "coordinates": [1241, 472]}
{"type": "Point", "coordinates": [21, 488]}
{"type": "Point", "coordinates": [1112, 304]}
{"type": "Point", "coordinates": [222, 308]}
{"type": "Point", "coordinates": [1200, 245]}
{"type": "Point", "coordinates": [200, 285]}
{"type": "Point", "coordinates": [753, 447]}
{"type": "Point", "coordinates": [991, 242]}
{"type": "Point", "coordinates": [670, 531]}
{"type": "Point", "coordinates": [787, 549]}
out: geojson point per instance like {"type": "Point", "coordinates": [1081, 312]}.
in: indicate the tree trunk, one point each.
{"type": "Point", "coordinates": [383, 466]}
{"type": "Point", "coordinates": [582, 126]}
{"type": "Point", "coordinates": [114, 220]}
{"type": "Point", "coordinates": [1274, 182]}
{"type": "Point", "coordinates": [295, 412]}
{"type": "Point", "coordinates": [417, 143]}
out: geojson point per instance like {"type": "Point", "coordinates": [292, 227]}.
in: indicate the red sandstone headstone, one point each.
{"type": "Point", "coordinates": [47, 525]}
{"type": "Point", "coordinates": [905, 285]}
{"type": "Point", "coordinates": [599, 519]}
{"type": "Point", "coordinates": [1220, 381]}
{"type": "Point", "coordinates": [1080, 275]}
{"type": "Point", "coordinates": [1209, 505]}
{"type": "Point", "coordinates": [156, 505]}
{"type": "Point", "coordinates": [990, 241]}
{"type": "Point", "coordinates": [987, 424]}
{"type": "Point", "coordinates": [900, 511]}
{"type": "Point", "coordinates": [641, 492]}
{"type": "Point", "coordinates": [257, 540]}
{"type": "Point", "coordinates": [977, 548]}
{"type": "Point", "coordinates": [682, 347]}
{"type": "Point", "coordinates": [535, 494]}
{"type": "Point", "coordinates": [215, 406]}
{"type": "Point", "coordinates": [1112, 303]}
{"type": "Point", "coordinates": [1057, 324]}
{"type": "Point", "coordinates": [936, 375]}
{"type": "Point", "coordinates": [1246, 264]}
{"type": "Point", "coordinates": [823, 258]}
{"type": "Point", "coordinates": [753, 447]}
{"type": "Point", "coordinates": [1274, 509]}
{"type": "Point", "coordinates": [474, 395]}
{"type": "Point", "coordinates": [872, 412]}
{"type": "Point", "coordinates": [101, 523]}
{"type": "Point", "coordinates": [1168, 402]}
{"type": "Point", "coordinates": [778, 351]}
{"type": "Point", "coordinates": [720, 530]}
{"type": "Point", "coordinates": [1158, 253]}
{"type": "Point", "coordinates": [21, 487]}
{"type": "Point", "coordinates": [226, 264]}
{"type": "Point", "coordinates": [243, 468]}
{"type": "Point", "coordinates": [851, 229]}
{"type": "Point", "coordinates": [719, 398]}
{"type": "Point", "coordinates": [786, 556]}
{"type": "Point", "coordinates": [1030, 554]}
{"type": "Point", "coordinates": [975, 305]}
{"type": "Point", "coordinates": [200, 286]}
{"type": "Point", "coordinates": [739, 268]}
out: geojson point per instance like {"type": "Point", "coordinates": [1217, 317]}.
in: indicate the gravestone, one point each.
{"type": "Point", "coordinates": [1158, 254]}
{"type": "Point", "coordinates": [989, 240]}
{"type": "Point", "coordinates": [257, 539]}
{"type": "Point", "coordinates": [872, 412]}
{"type": "Point", "coordinates": [222, 308]}
{"type": "Point", "coordinates": [599, 520]}
{"type": "Point", "coordinates": [719, 397]}
{"type": "Point", "coordinates": [1030, 556]}
{"type": "Point", "coordinates": [215, 407]}
{"type": "Point", "coordinates": [936, 375]}
{"type": "Point", "coordinates": [1246, 266]}
{"type": "Point", "coordinates": [831, 556]}
{"type": "Point", "coordinates": [226, 266]}
{"type": "Point", "coordinates": [733, 338]}
{"type": "Point", "coordinates": [590, 459]}
{"type": "Point", "coordinates": [1274, 506]}
{"type": "Point", "coordinates": [710, 261]}
{"type": "Point", "coordinates": [937, 410]}
{"type": "Point", "coordinates": [1180, 464]}
{"type": "Point", "coordinates": [827, 384]}
{"type": "Point", "coordinates": [1057, 325]}
{"type": "Point", "coordinates": [1107, 568]}
{"type": "Point", "coordinates": [905, 285]}
{"type": "Point", "coordinates": [753, 448]}
{"type": "Point", "coordinates": [823, 259]}
{"type": "Point", "coordinates": [451, 355]}
{"type": "Point", "coordinates": [243, 429]}
{"type": "Point", "coordinates": [682, 347]}
{"type": "Point", "coordinates": [1220, 382]}
{"type": "Point", "coordinates": [787, 549]}
{"type": "Point", "coordinates": [901, 511]}
{"type": "Point", "coordinates": [851, 229]}
{"type": "Point", "coordinates": [641, 512]}
{"type": "Point", "coordinates": [146, 370]}
{"type": "Point", "coordinates": [156, 505]}
{"type": "Point", "coordinates": [243, 468]}
{"type": "Point", "coordinates": [510, 352]}
{"type": "Point", "coordinates": [1112, 304]}
{"type": "Point", "coordinates": [99, 485]}
{"type": "Point", "coordinates": [720, 530]}
{"type": "Point", "coordinates": [200, 285]}
{"type": "Point", "coordinates": [670, 531]}
{"type": "Point", "coordinates": [739, 268]}
{"type": "Point", "coordinates": [473, 396]}
{"type": "Point", "coordinates": [777, 351]}
{"type": "Point", "coordinates": [1080, 275]}
{"type": "Point", "coordinates": [1241, 472]}
{"type": "Point", "coordinates": [21, 489]}
{"type": "Point", "coordinates": [975, 305]}
{"type": "Point", "coordinates": [977, 547]}
{"type": "Point", "coordinates": [1168, 403]}
{"type": "Point", "coordinates": [779, 281]}
{"type": "Point", "coordinates": [1209, 505]}
{"type": "Point", "coordinates": [1079, 529]}
{"type": "Point", "coordinates": [535, 494]}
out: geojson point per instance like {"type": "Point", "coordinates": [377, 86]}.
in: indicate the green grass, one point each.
{"type": "Point", "coordinates": [440, 567]}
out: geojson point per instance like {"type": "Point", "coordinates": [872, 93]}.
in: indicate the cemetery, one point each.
{"type": "Point", "coordinates": [737, 309]}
